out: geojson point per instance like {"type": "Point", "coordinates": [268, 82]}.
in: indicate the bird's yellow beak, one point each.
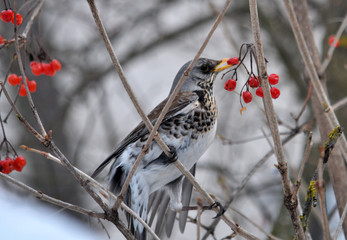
{"type": "Point", "coordinates": [222, 65]}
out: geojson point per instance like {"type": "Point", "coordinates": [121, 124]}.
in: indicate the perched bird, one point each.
{"type": "Point", "coordinates": [188, 128]}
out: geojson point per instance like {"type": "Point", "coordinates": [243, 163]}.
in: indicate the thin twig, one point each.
{"type": "Point", "coordinates": [305, 54]}
{"type": "Point", "coordinates": [332, 47]}
{"type": "Point", "coordinates": [302, 165]}
{"type": "Point", "coordinates": [246, 179]}
{"type": "Point", "coordinates": [342, 219]}
{"type": "Point", "coordinates": [321, 193]}
{"type": "Point", "coordinates": [308, 95]}
{"type": "Point", "coordinates": [272, 119]}
{"type": "Point", "coordinates": [96, 184]}
{"type": "Point", "coordinates": [22, 72]}
{"type": "Point", "coordinates": [198, 218]}
{"type": "Point", "coordinates": [269, 235]}
{"type": "Point", "coordinates": [19, 115]}
{"type": "Point", "coordinates": [32, 18]}
{"type": "Point", "coordinates": [341, 103]}
{"type": "Point", "coordinates": [52, 200]}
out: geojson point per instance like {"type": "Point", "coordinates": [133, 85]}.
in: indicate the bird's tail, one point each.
{"type": "Point", "coordinates": [136, 198]}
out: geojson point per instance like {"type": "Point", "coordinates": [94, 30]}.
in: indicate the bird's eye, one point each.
{"type": "Point", "coordinates": [205, 68]}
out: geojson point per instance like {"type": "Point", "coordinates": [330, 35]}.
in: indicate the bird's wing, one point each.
{"type": "Point", "coordinates": [182, 103]}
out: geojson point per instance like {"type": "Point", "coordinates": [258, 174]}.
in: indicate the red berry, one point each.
{"type": "Point", "coordinates": [273, 79]}
{"type": "Point", "coordinates": [275, 92]}
{"type": "Point", "coordinates": [254, 82]}
{"type": "Point", "coordinates": [331, 40]}
{"type": "Point", "coordinates": [13, 79]}
{"type": "Point", "coordinates": [22, 91]}
{"type": "Point", "coordinates": [19, 19]}
{"type": "Point", "coordinates": [2, 40]}
{"type": "Point", "coordinates": [48, 69]}
{"type": "Point", "coordinates": [7, 15]}
{"type": "Point", "coordinates": [230, 85]}
{"type": "Point", "coordinates": [55, 64]}
{"type": "Point", "coordinates": [7, 165]}
{"type": "Point", "coordinates": [19, 163]}
{"type": "Point", "coordinates": [259, 92]}
{"type": "Point", "coordinates": [233, 61]}
{"type": "Point", "coordinates": [36, 68]}
{"type": "Point", "coordinates": [32, 86]}
{"type": "Point", "coordinates": [247, 96]}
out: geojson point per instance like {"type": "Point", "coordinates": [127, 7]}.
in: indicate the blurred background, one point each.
{"type": "Point", "coordinates": [89, 112]}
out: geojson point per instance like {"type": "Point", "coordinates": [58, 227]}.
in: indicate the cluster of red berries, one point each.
{"type": "Point", "coordinates": [254, 82]}
{"type": "Point", "coordinates": [8, 164]}
{"type": "Point", "coordinates": [14, 80]}
{"type": "Point", "coordinates": [48, 69]}
{"type": "Point", "coordinates": [8, 16]}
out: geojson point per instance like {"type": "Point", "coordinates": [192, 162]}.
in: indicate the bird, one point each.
{"type": "Point", "coordinates": [188, 129]}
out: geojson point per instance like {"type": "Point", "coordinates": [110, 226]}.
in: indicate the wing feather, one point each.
{"type": "Point", "coordinates": [181, 101]}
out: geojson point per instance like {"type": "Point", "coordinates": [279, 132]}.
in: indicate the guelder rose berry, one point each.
{"type": "Point", "coordinates": [233, 61]}
{"type": "Point", "coordinates": [247, 96]}
{"type": "Point", "coordinates": [7, 15]}
{"type": "Point", "coordinates": [19, 19]}
{"type": "Point", "coordinates": [259, 92]}
{"type": "Point", "coordinates": [13, 79]}
{"type": "Point", "coordinates": [56, 65]}
{"type": "Point", "coordinates": [19, 163]}
{"type": "Point", "coordinates": [253, 82]}
{"type": "Point", "coordinates": [22, 91]}
{"type": "Point", "coordinates": [32, 86]}
{"type": "Point", "coordinates": [275, 92]}
{"type": "Point", "coordinates": [230, 85]}
{"type": "Point", "coordinates": [273, 79]}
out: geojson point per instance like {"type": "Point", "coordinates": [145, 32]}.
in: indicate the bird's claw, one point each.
{"type": "Point", "coordinates": [173, 154]}
{"type": "Point", "coordinates": [221, 209]}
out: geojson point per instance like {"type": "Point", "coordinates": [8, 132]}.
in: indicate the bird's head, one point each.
{"type": "Point", "coordinates": [201, 76]}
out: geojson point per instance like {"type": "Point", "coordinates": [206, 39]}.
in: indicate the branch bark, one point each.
{"type": "Point", "coordinates": [272, 120]}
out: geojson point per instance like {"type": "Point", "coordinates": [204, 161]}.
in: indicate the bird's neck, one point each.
{"type": "Point", "coordinates": [207, 99]}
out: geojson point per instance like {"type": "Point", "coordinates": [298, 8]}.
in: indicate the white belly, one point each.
{"type": "Point", "coordinates": [188, 153]}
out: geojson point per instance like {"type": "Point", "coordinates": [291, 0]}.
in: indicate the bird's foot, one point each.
{"type": "Point", "coordinates": [221, 209]}
{"type": "Point", "coordinates": [173, 155]}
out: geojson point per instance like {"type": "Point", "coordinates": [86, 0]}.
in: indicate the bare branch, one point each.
{"type": "Point", "coordinates": [339, 227]}
{"type": "Point", "coordinates": [332, 47]}
{"type": "Point", "coordinates": [21, 69]}
{"type": "Point", "coordinates": [305, 54]}
{"type": "Point", "coordinates": [321, 193]}
{"type": "Point", "coordinates": [52, 200]}
{"type": "Point", "coordinates": [272, 120]}
{"type": "Point", "coordinates": [297, 183]}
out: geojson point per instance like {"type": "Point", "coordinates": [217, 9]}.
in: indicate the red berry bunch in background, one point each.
{"type": "Point", "coordinates": [8, 164]}
{"type": "Point", "coordinates": [8, 15]}
{"type": "Point", "coordinates": [48, 69]}
{"type": "Point", "coordinates": [14, 80]}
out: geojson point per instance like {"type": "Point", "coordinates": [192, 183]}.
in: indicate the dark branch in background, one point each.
{"type": "Point", "coordinates": [311, 197]}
